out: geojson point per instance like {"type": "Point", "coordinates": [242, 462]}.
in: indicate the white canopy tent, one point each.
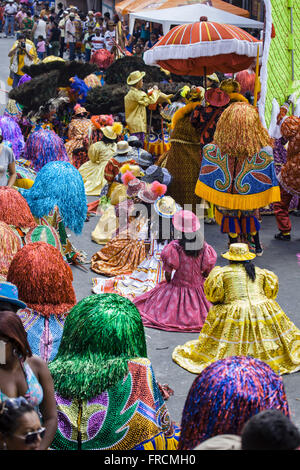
{"type": "Point", "coordinates": [189, 14]}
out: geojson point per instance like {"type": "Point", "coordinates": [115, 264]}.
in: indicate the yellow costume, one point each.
{"type": "Point", "coordinates": [92, 172]}
{"type": "Point", "coordinates": [136, 102]}
{"type": "Point", "coordinates": [245, 320]}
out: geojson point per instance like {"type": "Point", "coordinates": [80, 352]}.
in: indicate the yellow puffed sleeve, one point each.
{"type": "Point", "coordinates": [213, 286]}
{"type": "Point", "coordinates": [270, 284]}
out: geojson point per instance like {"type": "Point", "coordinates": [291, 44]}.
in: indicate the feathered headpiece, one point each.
{"type": "Point", "coordinates": [59, 184]}
{"type": "Point", "coordinates": [80, 88]}
{"type": "Point", "coordinates": [43, 278]}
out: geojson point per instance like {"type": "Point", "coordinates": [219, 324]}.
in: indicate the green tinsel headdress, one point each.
{"type": "Point", "coordinates": [101, 333]}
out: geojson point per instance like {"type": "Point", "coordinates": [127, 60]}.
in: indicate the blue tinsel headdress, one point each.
{"type": "Point", "coordinates": [59, 184]}
{"type": "Point", "coordinates": [225, 395]}
{"type": "Point", "coordinates": [79, 86]}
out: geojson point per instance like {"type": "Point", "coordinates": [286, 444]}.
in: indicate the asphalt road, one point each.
{"type": "Point", "coordinates": [279, 257]}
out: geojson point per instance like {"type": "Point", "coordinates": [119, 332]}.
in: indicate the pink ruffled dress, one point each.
{"type": "Point", "coordinates": [179, 305]}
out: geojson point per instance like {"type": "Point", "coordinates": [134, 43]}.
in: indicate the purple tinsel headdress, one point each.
{"type": "Point", "coordinates": [11, 131]}
{"type": "Point", "coordinates": [25, 78]}
{"type": "Point", "coordinates": [43, 146]}
{"type": "Point", "coordinates": [225, 395]}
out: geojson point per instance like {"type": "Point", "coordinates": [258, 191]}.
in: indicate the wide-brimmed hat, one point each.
{"type": "Point", "coordinates": [186, 221]}
{"type": "Point", "coordinates": [123, 147]}
{"type": "Point", "coordinates": [134, 186]}
{"type": "Point", "coordinates": [135, 77]}
{"type": "Point", "coordinates": [112, 132]}
{"type": "Point", "coordinates": [145, 159]}
{"type": "Point", "coordinates": [216, 97]}
{"type": "Point", "coordinates": [9, 293]}
{"type": "Point", "coordinates": [238, 252]}
{"type": "Point", "coordinates": [166, 207]}
{"type": "Point", "coordinates": [213, 77]}
{"type": "Point", "coordinates": [157, 173]}
{"type": "Point", "coordinates": [79, 109]}
{"type": "Point", "coordinates": [152, 192]}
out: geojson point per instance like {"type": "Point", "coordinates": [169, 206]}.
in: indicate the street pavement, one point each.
{"type": "Point", "coordinates": [279, 257]}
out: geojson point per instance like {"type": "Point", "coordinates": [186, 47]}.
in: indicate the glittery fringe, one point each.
{"type": "Point", "coordinates": [11, 131]}
{"type": "Point", "coordinates": [181, 112]}
{"type": "Point", "coordinates": [59, 184]}
{"type": "Point", "coordinates": [43, 278]}
{"type": "Point", "coordinates": [43, 146]}
{"type": "Point", "coordinates": [101, 333]}
{"type": "Point", "coordinates": [237, 201]}
{"type": "Point", "coordinates": [14, 209]}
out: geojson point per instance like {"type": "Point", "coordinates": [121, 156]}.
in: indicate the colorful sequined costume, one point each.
{"type": "Point", "coordinates": [178, 305]}
{"type": "Point", "coordinates": [145, 277]}
{"type": "Point", "coordinates": [245, 320]}
{"type": "Point", "coordinates": [106, 393]}
{"type": "Point", "coordinates": [77, 131]}
{"type": "Point", "coordinates": [131, 415]}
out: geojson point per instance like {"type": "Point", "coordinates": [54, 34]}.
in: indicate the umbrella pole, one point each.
{"type": "Point", "coordinates": [205, 79]}
{"type": "Point", "coordinates": [256, 78]}
{"type": "Point", "coordinates": [150, 123]}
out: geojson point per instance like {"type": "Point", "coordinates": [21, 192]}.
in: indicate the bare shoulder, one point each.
{"type": "Point", "coordinates": [38, 365]}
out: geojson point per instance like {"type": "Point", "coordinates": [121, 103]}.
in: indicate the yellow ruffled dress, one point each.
{"type": "Point", "coordinates": [245, 320]}
{"type": "Point", "coordinates": [92, 172]}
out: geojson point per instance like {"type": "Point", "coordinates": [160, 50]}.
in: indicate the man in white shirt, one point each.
{"type": "Point", "coordinates": [39, 28]}
{"type": "Point", "coordinates": [97, 40]}
{"type": "Point", "coordinates": [10, 12]}
{"type": "Point", "coordinates": [70, 35]}
{"type": "Point", "coordinates": [110, 36]}
{"type": "Point", "coordinates": [62, 27]}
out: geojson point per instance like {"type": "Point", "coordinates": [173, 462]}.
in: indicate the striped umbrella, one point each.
{"type": "Point", "coordinates": [203, 48]}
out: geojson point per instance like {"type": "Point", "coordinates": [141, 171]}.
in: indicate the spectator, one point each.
{"type": "Point", "coordinates": [225, 395]}
{"type": "Point", "coordinates": [87, 43]}
{"type": "Point", "coordinates": [54, 39]}
{"type": "Point", "coordinates": [10, 11]}
{"type": "Point", "coordinates": [8, 173]}
{"type": "Point", "coordinates": [106, 18]}
{"type": "Point", "coordinates": [102, 361]}
{"type": "Point", "coordinates": [97, 40]}
{"type": "Point", "coordinates": [145, 32]}
{"type": "Point", "coordinates": [16, 417]}
{"type": "Point", "coordinates": [138, 50]}
{"type": "Point", "coordinates": [270, 430]}
{"type": "Point", "coordinates": [9, 299]}
{"type": "Point", "coordinates": [41, 47]}
{"type": "Point", "coordinates": [45, 11]}
{"type": "Point", "coordinates": [39, 28]}
{"type": "Point", "coordinates": [2, 6]}
{"type": "Point", "coordinates": [90, 21]}
{"type": "Point", "coordinates": [23, 374]}
{"type": "Point", "coordinates": [62, 26]}
{"type": "Point", "coordinates": [21, 14]}
{"type": "Point", "coordinates": [27, 24]}
{"type": "Point", "coordinates": [21, 54]}
{"type": "Point", "coordinates": [60, 12]}
{"type": "Point", "coordinates": [129, 40]}
{"type": "Point", "coordinates": [153, 40]}
{"type": "Point", "coordinates": [70, 36]}
{"type": "Point", "coordinates": [110, 36]}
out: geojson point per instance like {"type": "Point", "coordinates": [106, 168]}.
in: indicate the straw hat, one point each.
{"type": "Point", "coordinates": [135, 77]}
{"type": "Point", "coordinates": [213, 77]}
{"type": "Point", "coordinates": [79, 109]}
{"type": "Point", "coordinates": [110, 132]}
{"type": "Point", "coordinates": [123, 147]}
{"type": "Point", "coordinates": [238, 252]}
{"type": "Point", "coordinates": [166, 207]}
{"type": "Point", "coordinates": [134, 186]}
{"type": "Point", "coordinates": [216, 97]}
{"type": "Point", "coordinates": [186, 222]}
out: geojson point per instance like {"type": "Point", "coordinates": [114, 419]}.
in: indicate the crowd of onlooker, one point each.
{"type": "Point", "coordinates": [71, 33]}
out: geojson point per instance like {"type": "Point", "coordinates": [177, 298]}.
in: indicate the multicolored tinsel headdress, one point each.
{"type": "Point", "coordinates": [101, 333]}
{"type": "Point", "coordinates": [43, 278]}
{"type": "Point", "coordinates": [59, 184]}
{"type": "Point", "coordinates": [10, 243]}
{"type": "Point", "coordinates": [240, 133]}
{"type": "Point", "coordinates": [43, 146]}
{"type": "Point", "coordinates": [225, 395]}
{"type": "Point", "coordinates": [11, 131]}
{"type": "Point", "coordinates": [14, 209]}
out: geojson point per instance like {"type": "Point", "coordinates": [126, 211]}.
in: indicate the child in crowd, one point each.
{"type": "Point", "coordinates": [41, 47]}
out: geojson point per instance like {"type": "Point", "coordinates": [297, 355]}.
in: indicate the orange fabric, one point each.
{"type": "Point", "coordinates": [225, 63]}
